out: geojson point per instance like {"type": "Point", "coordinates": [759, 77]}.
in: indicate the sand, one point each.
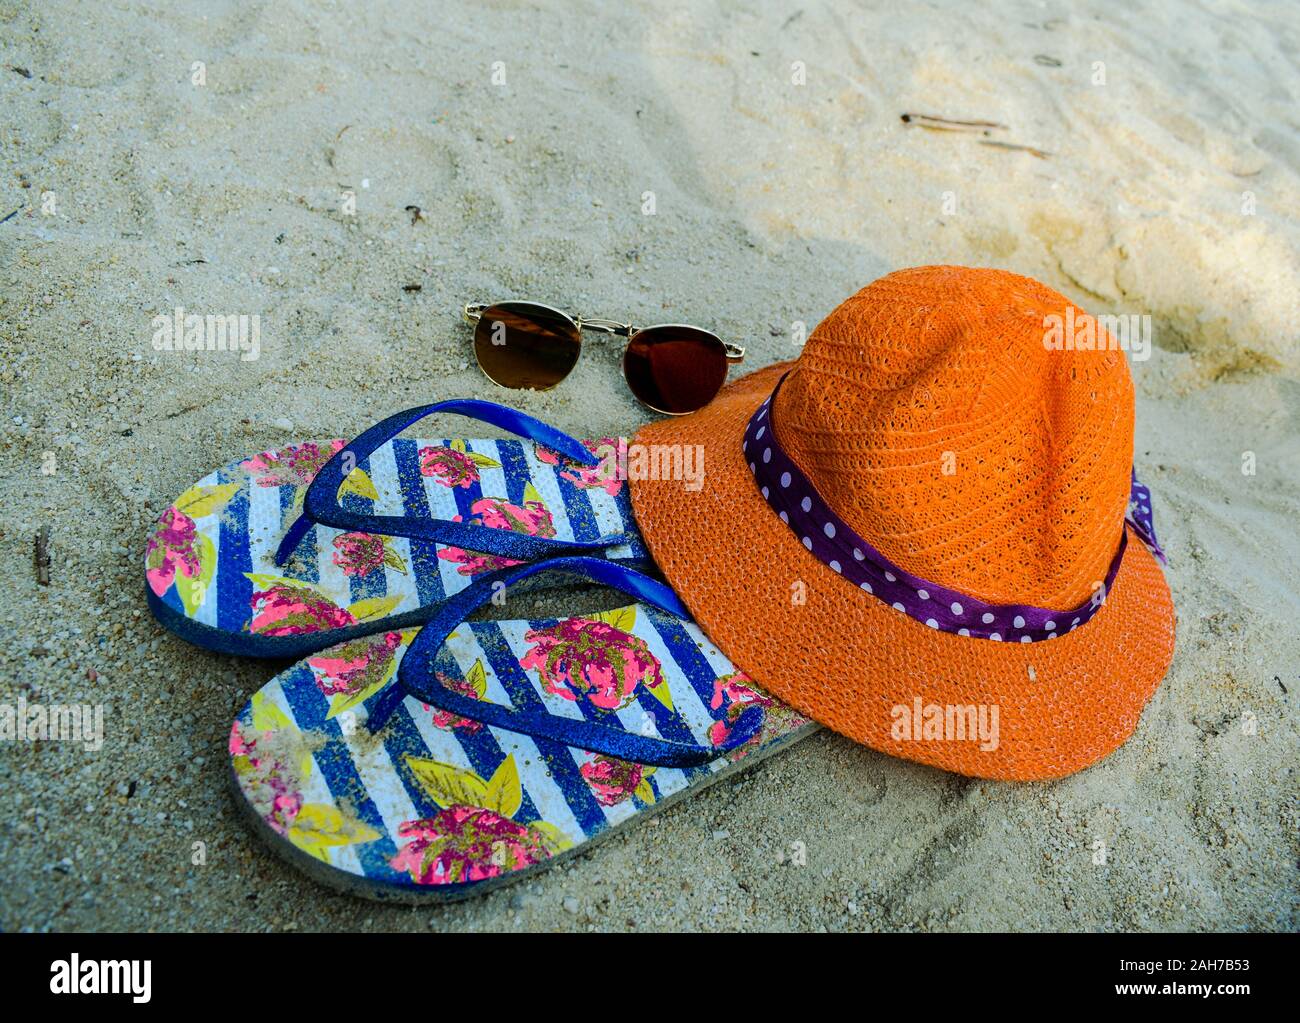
{"type": "Point", "coordinates": [1172, 191]}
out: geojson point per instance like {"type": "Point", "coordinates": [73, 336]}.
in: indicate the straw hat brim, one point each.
{"type": "Point", "coordinates": [848, 660]}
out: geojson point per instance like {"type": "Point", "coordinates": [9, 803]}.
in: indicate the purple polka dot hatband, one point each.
{"type": "Point", "coordinates": [834, 543]}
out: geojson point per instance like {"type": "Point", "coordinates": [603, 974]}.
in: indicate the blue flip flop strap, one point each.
{"type": "Point", "coordinates": [321, 503]}
{"type": "Point", "coordinates": [416, 676]}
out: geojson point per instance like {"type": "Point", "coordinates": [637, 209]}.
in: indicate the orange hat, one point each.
{"type": "Point", "coordinates": [921, 541]}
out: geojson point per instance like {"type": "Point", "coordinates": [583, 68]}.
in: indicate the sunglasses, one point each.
{"type": "Point", "coordinates": [671, 367]}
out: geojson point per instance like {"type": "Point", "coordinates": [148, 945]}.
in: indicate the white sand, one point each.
{"type": "Point", "coordinates": [773, 201]}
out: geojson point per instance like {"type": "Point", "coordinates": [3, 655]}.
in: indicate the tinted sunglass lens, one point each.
{"type": "Point", "coordinates": [675, 369]}
{"type": "Point", "coordinates": [522, 345]}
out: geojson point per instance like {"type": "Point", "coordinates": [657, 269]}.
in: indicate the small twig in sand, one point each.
{"type": "Point", "coordinates": [947, 124]}
{"type": "Point", "coordinates": [329, 150]}
{"type": "Point", "coordinates": [1040, 153]}
{"type": "Point", "coordinates": [416, 213]}
{"type": "Point", "coordinates": [9, 216]}
{"type": "Point", "coordinates": [983, 127]}
{"type": "Point", "coordinates": [43, 556]}
{"type": "Point", "coordinates": [181, 412]}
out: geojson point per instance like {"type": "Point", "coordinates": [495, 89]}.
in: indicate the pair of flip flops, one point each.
{"type": "Point", "coordinates": [409, 754]}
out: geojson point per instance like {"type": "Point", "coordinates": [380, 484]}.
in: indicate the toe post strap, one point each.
{"type": "Point", "coordinates": [417, 678]}
{"type": "Point", "coordinates": [321, 504]}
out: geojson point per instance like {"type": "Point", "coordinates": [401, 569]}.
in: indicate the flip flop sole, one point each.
{"type": "Point", "coordinates": [435, 808]}
{"type": "Point", "coordinates": [210, 568]}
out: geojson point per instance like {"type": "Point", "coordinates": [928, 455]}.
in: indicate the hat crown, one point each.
{"type": "Point", "coordinates": [931, 416]}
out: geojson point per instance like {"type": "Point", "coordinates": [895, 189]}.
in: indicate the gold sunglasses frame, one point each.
{"type": "Point", "coordinates": [473, 312]}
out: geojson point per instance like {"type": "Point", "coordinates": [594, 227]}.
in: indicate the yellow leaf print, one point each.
{"type": "Point", "coordinates": [341, 702]}
{"type": "Point", "coordinates": [663, 694]}
{"type": "Point", "coordinates": [318, 827]}
{"type": "Point", "coordinates": [446, 784]}
{"type": "Point", "coordinates": [477, 677]}
{"type": "Point", "coordinates": [200, 501]}
{"type": "Point", "coordinates": [267, 717]}
{"type": "Point", "coordinates": [359, 482]}
{"type": "Point", "coordinates": [266, 581]}
{"type": "Point", "coordinates": [623, 618]}
{"type": "Point", "coordinates": [555, 839]}
{"type": "Point", "coordinates": [505, 794]}
{"type": "Point", "coordinates": [374, 607]}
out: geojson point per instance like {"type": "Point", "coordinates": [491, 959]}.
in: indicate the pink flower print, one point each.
{"type": "Point", "coordinates": [475, 564]}
{"type": "Point", "coordinates": [356, 665]}
{"type": "Point", "coordinates": [531, 519]}
{"type": "Point", "coordinates": [293, 466]}
{"type": "Point", "coordinates": [448, 466]}
{"type": "Point", "coordinates": [467, 843]}
{"type": "Point", "coordinates": [170, 548]}
{"type": "Point", "coordinates": [287, 610]}
{"type": "Point", "coordinates": [358, 553]}
{"type": "Point", "coordinates": [270, 784]}
{"type": "Point", "coordinates": [284, 809]}
{"type": "Point", "coordinates": [612, 452]}
{"type": "Point", "coordinates": [470, 563]}
{"type": "Point", "coordinates": [579, 657]}
{"type": "Point", "coordinates": [238, 745]}
{"type": "Point", "coordinates": [735, 693]}
{"type": "Point", "coordinates": [445, 719]}
{"type": "Point", "coordinates": [612, 780]}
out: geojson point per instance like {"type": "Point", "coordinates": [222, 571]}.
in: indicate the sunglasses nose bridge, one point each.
{"type": "Point", "coordinates": [603, 326]}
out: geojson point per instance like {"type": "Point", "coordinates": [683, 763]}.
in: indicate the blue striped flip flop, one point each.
{"type": "Point", "coordinates": [317, 543]}
{"type": "Point", "coordinates": [427, 765]}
